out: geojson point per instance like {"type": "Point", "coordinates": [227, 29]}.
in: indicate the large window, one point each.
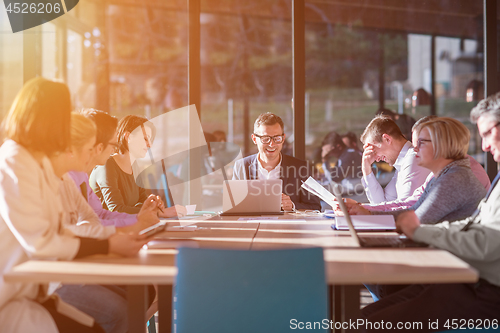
{"type": "Point", "coordinates": [132, 57]}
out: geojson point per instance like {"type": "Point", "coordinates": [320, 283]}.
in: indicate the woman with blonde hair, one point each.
{"type": "Point", "coordinates": [37, 128]}
{"type": "Point", "coordinates": [106, 304]}
{"type": "Point", "coordinates": [453, 193]}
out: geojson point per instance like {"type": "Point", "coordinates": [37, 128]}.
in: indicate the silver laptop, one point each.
{"type": "Point", "coordinates": [373, 241]}
{"type": "Point", "coordinates": [252, 197]}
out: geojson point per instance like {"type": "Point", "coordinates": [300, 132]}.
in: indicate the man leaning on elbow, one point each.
{"type": "Point", "coordinates": [384, 141]}
{"type": "Point", "coordinates": [270, 163]}
{"type": "Point", "coordinates": [476, 240]}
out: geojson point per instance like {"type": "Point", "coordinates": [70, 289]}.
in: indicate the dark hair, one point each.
{"type": "Point", "coordinates": [386, 112]}
{"type": "Point", "coordinates": [268, 118]}
{"type": "Point", "coordinates": [106, 124]}
{"type": "Point", "coordinates": [129, 123]}
{"type": "Point", "coordinates": [352, 137]}
{"type": "Point", "coordinates": [379, 126]}
{"type": "Point", "coordinates": [39, 118]}
{"type": "Point", "coordinates": [220, 135]}
{"type": "Point", "coordinates": [334, 139]}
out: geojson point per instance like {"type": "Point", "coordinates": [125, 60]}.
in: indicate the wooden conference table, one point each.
{"type": "Point", "coordinates": [347, 265]}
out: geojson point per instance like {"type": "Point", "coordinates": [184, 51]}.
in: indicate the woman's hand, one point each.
{"type": "Point", "coordinates": [357, 209]}
{"type": "Point", "coordinates": [126, 245]}
{"type": "Point", "coordinates": [148, 215]}
{"type": "Point", "coordinates": [176, 210]}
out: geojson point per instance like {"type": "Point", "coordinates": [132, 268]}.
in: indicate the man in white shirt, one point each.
{"type": "Point", "coordinates": [269, 163]}
{"type": "Point", "coordinates": [383, 141]}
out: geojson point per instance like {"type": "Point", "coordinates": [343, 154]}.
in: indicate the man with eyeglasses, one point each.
{"type": "Point", "coordinates": [270, 163]}
{"type": "Point", "coordinates": [476, 240]}
{"type": "Point", "coordinates": [383, 141]}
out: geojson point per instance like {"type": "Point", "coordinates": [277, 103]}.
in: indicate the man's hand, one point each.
{"type": "Point", "coordinates": [368, 158]}
{"type": "Point", "coordinates": [286, 202]}
{"type": "Point", "coordinates": [407, 223]}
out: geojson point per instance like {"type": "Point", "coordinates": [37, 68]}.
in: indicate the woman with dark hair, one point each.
{"type": "Point", "coordinates": [31, 212]}
{"type": "Point", "coordinates": [114, 183]}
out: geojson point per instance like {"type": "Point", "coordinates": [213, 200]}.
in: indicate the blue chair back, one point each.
{"type": "Point", "coordinates": [249, 291]}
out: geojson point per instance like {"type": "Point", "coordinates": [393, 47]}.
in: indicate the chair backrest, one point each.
{"type": "Point", "coordinates": [249, 291]}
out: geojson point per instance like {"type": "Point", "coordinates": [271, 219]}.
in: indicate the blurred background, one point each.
{"type": "Point", "coordinates": [133, 57]}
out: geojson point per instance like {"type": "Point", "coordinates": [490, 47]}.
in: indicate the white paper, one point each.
{"type": "Point", "coordinates": [190, 209]}
{"type": "Point", "coordinates": [315, 188]}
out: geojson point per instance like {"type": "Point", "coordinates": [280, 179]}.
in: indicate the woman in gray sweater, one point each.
{"type": "Point", "coordinates": [454, 192]}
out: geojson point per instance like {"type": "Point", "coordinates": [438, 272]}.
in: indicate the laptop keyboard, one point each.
{"type": "Point", "coordinates": [389, 242]}
{"type": "Point", "coordinates": [381, 241]}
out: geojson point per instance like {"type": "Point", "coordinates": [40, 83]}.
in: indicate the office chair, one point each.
{"type": "Point", "coordinates": [248, 291]}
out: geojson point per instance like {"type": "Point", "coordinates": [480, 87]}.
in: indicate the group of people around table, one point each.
{"type": "Point", "coordinates": [50, 209]}
{"type": "Point", "coordinates": [439, 195]}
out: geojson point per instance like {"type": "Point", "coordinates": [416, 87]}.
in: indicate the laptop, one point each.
{"type": "Point", "coordinates": [385, 241]}
{"type": "Point", "coordinates": [252, 197]}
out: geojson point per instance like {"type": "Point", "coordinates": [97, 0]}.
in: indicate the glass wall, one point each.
{"type": "Point", "coordinates": [131, 57]}
{"type": "Point", "coordinates": [147, 57]}
{"type": "Point", "coordinates": [11, 64]}
{"type": "Point", "coordinates": [365, 56]}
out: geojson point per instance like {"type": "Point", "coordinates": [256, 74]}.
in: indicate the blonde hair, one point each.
{"type": "Point", "coordinates": [82, 130]}
{"type": "Point", "coordinates": [39, 118]}
{"type": "Point", "coordinates": [450, 138]}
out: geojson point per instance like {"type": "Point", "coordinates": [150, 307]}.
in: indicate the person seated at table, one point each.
{"type": "Point", "coordinates": [347, 170]}
{"type": "Point", "coordinates": [269, 163]}
{"type": "Point", "coordinates": [430, 201]}
{"type": "Point", "coordinates": [453, 193]}
{"type": "Point", "coordinates": [106, 143]}
{"type": "Point", "coordinates": [475, 239]}
{"type": "Point", "coordinates": [383, 141]}
{"type": "Point", "coordinates": [351, 140]}
{"type": "Point", "coordinates": [81, 219]}
{"type": "Point", "coordinates": [36, 128]}
{"type": "Point", "coordinates": [109, 312]}
{"type": "Point", "coordinates": [114, 183]}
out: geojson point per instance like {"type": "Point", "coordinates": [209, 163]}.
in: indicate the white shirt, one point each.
{"type": "Point", "coordinates": [407, 178]}
{"type": "Point", "coordinates": [30, 228]}
{"type": "Point", "coordinates": [263, 174]}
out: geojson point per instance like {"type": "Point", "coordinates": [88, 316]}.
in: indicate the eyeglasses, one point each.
{"type": "Point", "coordinates": [486, 134]}
{"type": "Point", "coordinates": [265, 139]}
{"type": "Point", "coordinates": [419, 142]}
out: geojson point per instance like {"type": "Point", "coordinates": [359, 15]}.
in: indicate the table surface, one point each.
{"type": "Point", "coordinates": [345, 262]}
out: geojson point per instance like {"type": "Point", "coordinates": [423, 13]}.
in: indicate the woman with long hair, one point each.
{"type": "Point", "coordinates": [114, 183]}
{"type": "Point", "coordinates": [37, 128]}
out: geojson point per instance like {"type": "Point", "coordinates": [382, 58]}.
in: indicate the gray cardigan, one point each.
{"type": "Point", "coordinates": [479, 245]}
{"type": "Point", "coordinates": [451, 195]}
